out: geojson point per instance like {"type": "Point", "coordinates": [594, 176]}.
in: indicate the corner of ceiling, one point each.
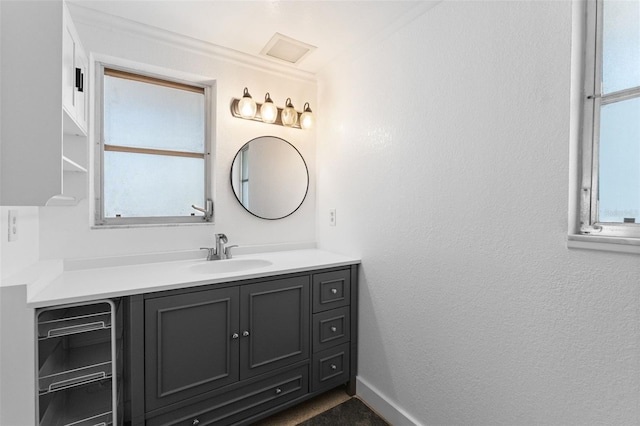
{"type": "Point", "coordinates": [84, 15]}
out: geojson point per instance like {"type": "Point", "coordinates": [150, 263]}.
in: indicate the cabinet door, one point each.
{"type": "Point", "coordinates": [74, 77]}
{"type": "Point", "coordinates": [191, 345]}
{"type": "Point", "coordinates": [68, 69]}
{"type": "Point", "coordinates": [275, 325]}
{"type": "Point", "coordinates": [80, 85]}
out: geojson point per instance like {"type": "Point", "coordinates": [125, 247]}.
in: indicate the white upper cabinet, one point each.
{"type": "Point", "coordinates": [44, 151]}
{"type": "Point", "coordinates": [74, 70]}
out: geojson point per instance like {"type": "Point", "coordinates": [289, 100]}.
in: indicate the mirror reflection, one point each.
{"type": "Point", "coordinates": [269, 177]}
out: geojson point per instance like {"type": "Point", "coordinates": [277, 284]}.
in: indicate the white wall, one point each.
{"type": "Point", "coordinates": [445, 150]}
{"type": "Point", "coordinates": [17, 358]}
{"type": "Point", "coordinates": [17, 375]}
{"type": "Point", "coordinates": [17, 255]}
{"type": "Point", "coordinates": [65, 232]}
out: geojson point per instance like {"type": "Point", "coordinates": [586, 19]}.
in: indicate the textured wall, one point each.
{"type": "Point", "coordinates": [445, 150]}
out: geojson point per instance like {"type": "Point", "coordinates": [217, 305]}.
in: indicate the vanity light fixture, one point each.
{"type": "Point", "coordinates": [247, 106]}
{"type": "Point", "coordinates": [289, 114]}
{"type": "Point", "coordinates": [306, 118]}
{"type": "Point", "coordinates": [268, 112]}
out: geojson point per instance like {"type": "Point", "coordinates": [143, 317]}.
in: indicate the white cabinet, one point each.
{"type": "Point", "coordinates": [44, 152]}
{"type": "Point", "coordinates": [74, 70]}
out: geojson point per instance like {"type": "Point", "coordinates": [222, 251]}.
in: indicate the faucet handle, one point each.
{"type": "Point", "coordinates": [211, 252]}
{"type": "Point", "coordinates": [227, 251]}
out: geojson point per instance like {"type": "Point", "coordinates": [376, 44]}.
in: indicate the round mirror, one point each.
{"type": "Point", "coordinates": [269, 177]}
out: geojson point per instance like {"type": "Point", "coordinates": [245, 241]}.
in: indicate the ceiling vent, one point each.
{"type": "Point", "coordinates": [286, 49]}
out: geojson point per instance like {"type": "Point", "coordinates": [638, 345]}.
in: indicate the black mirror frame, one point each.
{"type": "Point", "coordinates": [306, 168]}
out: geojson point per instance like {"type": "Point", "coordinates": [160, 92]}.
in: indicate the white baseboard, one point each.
{"type": "Point", "coordinates": [391, 412]}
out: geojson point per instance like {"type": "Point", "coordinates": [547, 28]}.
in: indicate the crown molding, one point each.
{"type": "Point", "coordinates": [90, 17]}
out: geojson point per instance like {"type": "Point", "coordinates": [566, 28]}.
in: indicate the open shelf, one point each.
{"type": "Point", "coordinates": [68, 367]}
{"type": "Point", "coordinates": [69, 125]}
{"type": "Point", "coordinates": [79, 319]}
{"type": "Point", "coordinates": [68, 165]}
{"type": "Point", "coordinates": [77, 375]}
{"type": "Point", "coordinates": [80, 406]}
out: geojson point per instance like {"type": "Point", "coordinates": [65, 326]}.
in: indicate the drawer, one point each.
{"type": "Point", "coordinates": [331, 290]}
{"type": "Point", "coordinates": [240, 403]}
{"type": "Point", "coordinates": [331, 367]}
{"type": "Point", "coordinates": [331, 328]}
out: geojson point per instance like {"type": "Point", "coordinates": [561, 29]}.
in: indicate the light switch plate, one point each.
{"type": "Point", "coordinates": [13, 225]}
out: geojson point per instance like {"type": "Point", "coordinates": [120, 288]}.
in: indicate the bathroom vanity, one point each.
{"type": "Point", "coordinates": [222, 342]}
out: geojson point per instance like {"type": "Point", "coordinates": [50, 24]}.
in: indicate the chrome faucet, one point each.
{"type": "Point", "coordinates": [219, 251]}
{"type": "Point", "coordinates": [221, 240]}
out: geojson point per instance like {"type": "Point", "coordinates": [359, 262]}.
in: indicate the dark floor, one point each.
{"type": "Point", "coordinates": [307, 409]}
{"type": "Point", "coordinates": [352, 412]}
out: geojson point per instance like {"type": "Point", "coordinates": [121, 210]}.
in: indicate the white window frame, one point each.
{"type": "Point", "coordinates": [104, 222]}
{"type": "Point", "coordinates": [588, 228]}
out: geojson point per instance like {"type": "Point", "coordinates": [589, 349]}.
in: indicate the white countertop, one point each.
{"type": "Point", "coordinates": [81, 285]}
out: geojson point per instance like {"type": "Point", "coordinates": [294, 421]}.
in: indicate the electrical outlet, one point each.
{"type": "Point", "coordinates": [13, 225]}
{"type": "Point", "coordinates": [332, 217]}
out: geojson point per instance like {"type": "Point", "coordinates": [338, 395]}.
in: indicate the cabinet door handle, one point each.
{"type": "Point", "coordinates": [334, 329]}
{"type": "Point", "coordinates": [245, 333]}
{"type": "Point", "coordinates": [278, 391]}
{"type": "Point", "coordinates": [196, 422]}
{"type": "Point", "coordinates": [334, 367]}
{"type": "Point", "coordinates": [235, 335]}
{"type": "Point", "coordinates": [334, 291]}
{"type": "Point", "coordinates": [79, 80]}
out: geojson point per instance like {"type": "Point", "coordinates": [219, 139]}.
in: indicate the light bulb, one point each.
{"type": "Point", "coordinates": [268, 110]}
{"type": "Point", "coordinates": [247, 106]}
{"type": "Point", "coordinates": [289, 115]}
{"type": "Point", "coordinates": [307, 119]}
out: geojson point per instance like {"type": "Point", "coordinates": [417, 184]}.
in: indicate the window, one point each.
{"type": "Point", "coordinates": [154, 151]}
{"type": "Point", "coordinates": [610, 179]}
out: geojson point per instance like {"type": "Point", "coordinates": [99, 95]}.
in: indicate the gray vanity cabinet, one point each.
{"type": "Point", "coordinates": [334, 343]}
{"type": "Point", "coordinates": [191, 344]}
{"type": "Point", "coordinates": [231, 353]}
{"type": "Point", "coordinates": [274, 325]}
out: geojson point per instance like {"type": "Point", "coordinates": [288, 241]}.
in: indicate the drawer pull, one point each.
{"type": "Point", "coordinates": [334, 367]}
{"type": "Point", "coordinates": [334, 329]}
{"type": "Point", "coordinates": [334, 291]}
{"type": "Point", "coordinates": [245, 333]}
{"type": "Point", "coordinates": [278, 391]}
{"type": "Point", "coordinates": [196, 422]}
{"type": "Point", "coordinates": [235, 335]}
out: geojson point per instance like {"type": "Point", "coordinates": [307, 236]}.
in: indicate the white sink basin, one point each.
{"type": "Point", "coordinates": [228, 265]}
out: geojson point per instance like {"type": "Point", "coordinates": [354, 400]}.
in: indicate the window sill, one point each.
{"type": "Point", "coordinates": [600, 243]}
{"type": "Point", "coordinates": [148, 225]}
